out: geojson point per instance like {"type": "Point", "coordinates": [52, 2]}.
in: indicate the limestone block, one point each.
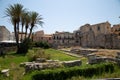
{"type": "Point", "coordinates": [5, 72]}
{"type": "Point", "coordinates": [72, 63]}
{"type": "Point", "coordinates": [40, 60]}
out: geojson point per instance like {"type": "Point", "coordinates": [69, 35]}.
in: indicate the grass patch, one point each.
{"type": "Point", "coordinates": [59, 55]}
{"type": "Point", "coordinates": [12, 58]}
{"type": "Point", "coordinates": [11, 61]}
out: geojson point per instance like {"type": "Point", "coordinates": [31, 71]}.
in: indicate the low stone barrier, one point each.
{"type": "Point", "coordinates": [5, 72]}
{"type": "Point", "coordinates": [72, 63]}
{"type": "Point", "coordinates": [29, 66]}
{"type": "Point", "coordinates": [83, 52]}
{"type": "Point", "coordinates": [38, 65]}
{"type": "Point", "coordinates": [93, 59]}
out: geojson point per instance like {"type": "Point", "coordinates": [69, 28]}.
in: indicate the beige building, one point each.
{"type": "Point", "coordinates": [40, 36]}
{"type": "Point", "coordinates": [63, 39]}
{"type": "Point", "coordinates": [100, 28]}
{"type": "Point", "coordinates": [93, 35]}
{"type": "Point", "coordinates": [4, 33]}
{"type": "Point", "coordinates": [22, 36]}
{"type": "Point", "coordinates": [116, 29]}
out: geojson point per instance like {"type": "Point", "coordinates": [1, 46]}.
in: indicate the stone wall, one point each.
{"type": "Point", "coordinates": [42, 64]}
{"type": "Point", "coordinates": [110, 41]}
{"type": "Point", "coordinates": [98, 36]}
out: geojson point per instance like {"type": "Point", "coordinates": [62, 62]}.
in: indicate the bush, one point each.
{"type": "Point", "coordinates": [65, 73]}
{"type": "Point", "coordinates": [24, 46]}
{"type": "Point", "coordinates": [42, 44]}
{"type": "Point", "coordinates": [37, 53]}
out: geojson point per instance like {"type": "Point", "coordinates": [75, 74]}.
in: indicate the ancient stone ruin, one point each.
{"type": "Point", "coordinates": [93, 59]}
{"type": "Point", "coordinates": [41, 64]}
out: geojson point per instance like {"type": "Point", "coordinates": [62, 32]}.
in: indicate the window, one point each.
{"type": "Point", "coordinates": [90, 29]}
{"type": "Point", "coordinates": [77, 41]}
{"type": "Point", "coordinates": [53, 37]}
{"type": "Point", "coordinates": [98, 28]}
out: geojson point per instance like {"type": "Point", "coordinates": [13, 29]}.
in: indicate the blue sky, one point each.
{"type": "Point", "coordinates": [66, 15]}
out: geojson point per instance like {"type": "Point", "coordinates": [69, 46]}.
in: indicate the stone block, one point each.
{"type": "Point", "coordinates": [72, 63]}
{"type": "Point", "coordinates": [5, 72]}
{"type": "Point", "coordinates": [40, 60]}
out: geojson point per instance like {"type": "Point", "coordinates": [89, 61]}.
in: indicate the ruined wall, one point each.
{"type": "Point", "coordinates": [87, 39]}
{"type": "Point", "coordinates": [110, 41]}
{"type": "Point", "coordinates": [99, 36]}
{"type": "Point", "coordinates": [101, 28]}
{"type": "Point", "coordinates": [116, 41]}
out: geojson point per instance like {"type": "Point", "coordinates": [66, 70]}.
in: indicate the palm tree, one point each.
{"type": "Point", "coordinates": [35, 19]}
{"type": "Point", "coordinates": [23, 22]}
{"type": "Point", "coordinates": [27, 23]}
{"type": "Point", "coordinates": [14, 12]}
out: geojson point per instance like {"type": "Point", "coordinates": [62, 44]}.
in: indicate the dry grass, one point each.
{"type": "Point", "coordinates": [107, 52]}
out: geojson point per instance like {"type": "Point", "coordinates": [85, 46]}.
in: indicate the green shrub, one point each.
{"type": "Point", "coordinates": [42, 44]}
{"type": "Point", "coordinates": [24, 46]}
{"type": "Point", "coordinates": [65, 73]}
{"type": "Point", "coordinates": [37, 53]}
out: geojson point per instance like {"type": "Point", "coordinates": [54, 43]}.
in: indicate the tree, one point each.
{"type": "Point", "coordinates": [35, 19]}
{"type": "Point", "coordinates": [27, 23]}
{"type": "Point", "coordinates": [23, 20]}
{"type": "Point", "coordinates": [17, 15]}
{"type": "Point", "coordinates": [14, 12]}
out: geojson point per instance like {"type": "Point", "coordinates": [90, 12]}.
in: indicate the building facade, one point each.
{"type": "Point", "coordinates": [116, 29]}
{"type": "Point", "coordinates": [63, 39]}
{"type": "Point", "coordinates": [100, 28]}
{"type": "Point", "coordinates": [100, 35]}
{"type": "Point", "coordinates": [39, 36]}
{"type": "Point", "coordinates": [4, 33]}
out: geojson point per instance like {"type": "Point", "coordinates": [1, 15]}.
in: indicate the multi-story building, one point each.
{"type": "Point", "coordinates": [39, 36]}
{"type": "Point", "coordinates": [63, 39]}
{"type": "Point", "coordinates": [4, 33]}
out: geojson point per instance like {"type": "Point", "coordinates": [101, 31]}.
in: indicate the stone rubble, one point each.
{"type": "Point", "coordinates": [48, 64]}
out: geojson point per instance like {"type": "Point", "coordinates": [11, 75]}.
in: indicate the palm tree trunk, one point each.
{"type": "Point", "coordinates": [22, 33]}
{"type": "Point", "coordinates": [30, 33]}
{"type": "Point", "coordinates": [17, 37]}
{"type": "Point", "coordinates": [15, 32]}
{"type": "Point", "coordinates": [25, 33]}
